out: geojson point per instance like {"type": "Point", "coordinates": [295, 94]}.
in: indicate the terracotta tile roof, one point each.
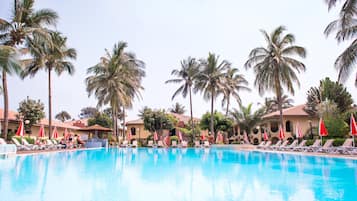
{"type": "Point", "coordinates": [292, 111]}
{"type": "Point", "coordinates": [184, 118]}
{"type": "Point", "coordinates": [78, 122]}
{"type": "Point", "coordinates": [136, 121]}
{"type": "Point", "coordinates": [12, 114]}
{"type": "Point", "coordinates": [95, 127]}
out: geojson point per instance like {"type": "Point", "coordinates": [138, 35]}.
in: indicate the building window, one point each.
{"type": "Point", "coordinates": [288, 126]}
{"type": "Point", "coordinates": [133, 131]}
{"type": "Point", "coordinates": [255, 130]}
{"type": "Point", "coordinates": [274, 126]}
{"type": "Point", "coordinates": [173, 132]}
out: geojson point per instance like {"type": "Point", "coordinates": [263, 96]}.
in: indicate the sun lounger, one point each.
{"type": "Point", "coordinates": [174, 144]}
{"type": "Point", "coordinates": [31, 146]}
{"type": "Point", "coordinates": [300, 146]}
{"type": "Point", "coordinates": [206, 144]}
{"type": "Point", "coordinates": [50, 145]}
{"type": "Point", "coordinates": [275, 145]}
{"type": "Point", "coordinates": [283, 145]}
{"type": "Point", "coordinates": [183, 144]}
{"type": "Point", "coordinates": [289, 147]}
{"type": "Point", "coordinates": [125, 144]}
{"type": "Point", "coordinates": [197, 144]}
{"type": "Point", "coordinates": [315, 146]}
{"type": "Point", "coordinates": [60, 146]}
{"type": "Point", "coordinates": [135, 144]}
{"type": "Point", "coordinates": [20, 146]}
{"type": "Point", "coordinates": [266, 145]}
{"type": "Point", "coordinates": [327, 146]}
{"type": "Point", "coordinates": [345, 148]}
{"type": "Point", "coordinates": [261, 144]}
{"type": "Point", "coordinates": [160, 143]}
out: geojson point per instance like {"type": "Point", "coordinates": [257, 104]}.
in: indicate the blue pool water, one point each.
{"type": "Point", "coordinates": [174, 174]}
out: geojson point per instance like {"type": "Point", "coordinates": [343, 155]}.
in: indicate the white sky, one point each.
{"type": "Point", "coordinates": [163, 32]}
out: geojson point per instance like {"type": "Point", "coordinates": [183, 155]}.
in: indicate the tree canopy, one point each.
{"type": "Point", "coordinates": [221, 122]}
{"type": "Point", "coordinates": [31, 110]}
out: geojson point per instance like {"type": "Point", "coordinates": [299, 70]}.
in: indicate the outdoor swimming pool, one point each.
{"type": "Point", "coordinates": [176, 174]}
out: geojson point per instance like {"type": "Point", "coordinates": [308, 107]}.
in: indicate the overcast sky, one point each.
{"type": "Point", "coordinates": [163, 32]}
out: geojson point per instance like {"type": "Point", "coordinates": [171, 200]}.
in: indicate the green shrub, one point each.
{"type": "Point", "coordinates": [10, 135]}
{"type": "Point", "coordinates": [174, 138]}
{"type": "Point", "coordinates": [336, 127]}
{"type": "Point", "coordinates": [28, 139]}
{"type": "Point", "coordinates": [235, 142]}
{"type": "Point", "coordinates": [309, 142]}
{"type": "Point", "coordinates": [338, 142]}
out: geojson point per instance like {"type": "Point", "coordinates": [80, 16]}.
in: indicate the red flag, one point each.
{"type": "Point", "coordinates": [155, 136]}
{"type": "Point", "coordinates": [41, 132]}
{"type": "Point", "coordinates": [353, 126]}
{"type": "Point", "coordinates": [322, 129]}
{"type": "Point", "coordinates": [20, 129]}
{"type": "Point", "coordinates": [266, 135]}
{"type": "Point", "coordinates": [203, 136]}
{"type": "Point", "coordinates": [55, 133]}
{"type": "Point", "coordinates": [281, 133]}
{"type": "Point", "coordinates": [298, 131]}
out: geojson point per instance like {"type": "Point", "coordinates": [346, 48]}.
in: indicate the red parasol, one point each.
{"type": "Point", "coordinates": [203, 137]}
{"type": "Point", "coordinates": [298, 131]}
{"type": "Point", "coordinates": [322, 129]}
{"type": "Point", "coordinates": [180, 135]}
{"type": "Point", "coordinates": [41, 132]}
{"type": "Point", "coordinates": [55, 133]}
{"type": "Point", "coordinates": [281, 133]}
{"type": "Point", "coordinates": [20, 130]}
{"type": "Point", "coordinates": [128, 137]}
{"type": "Point", "coordinates": [265, 135]}
{"type": "Point", "coordinates": [353, 127]}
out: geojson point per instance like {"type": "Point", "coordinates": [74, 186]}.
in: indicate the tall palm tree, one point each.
{"type": "Point", "coordinates": [275, 65]}
{"type": "Point", "coordinates": [234, 83]}
{"type": "Point", "coordinates": [24, 23]}
{"type": "Point", "coordinates": [272, 104]}
{"type": "Point", "coordinates": [346, 29]}
{"type": "Point", "coordinates": [211, 81]}
{"type": "Point", "coordinates": [116, 80]}
{"type": "Point", "coordinates": [186, 77]}
{"type": "Point", "coordinates": [178, 109]}
{"type": "Point", "coordinates": [63, 116]}
{"type": "Point", "coordinates": [53, 55]}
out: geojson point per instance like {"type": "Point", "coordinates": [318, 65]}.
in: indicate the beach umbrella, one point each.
{"type": "Point", "coordinates": [128, 136]}
{"type": "Point", "coordinates": [55, 133]}
{"type": "Point", "coordinates": [353, 127]}
{"type": "Point", "coordinates": [265, 135]}
{"type": "Point", "coordinates": [245, 137]}
{"type": "Point", "coordinates": [41, 132]}
{"type": "Point", "coordinates": [281, 133]}
{"type": "Point", "coordinates": [298, 131]}
{"type": "Point", "coordinates": [203, 138]}
{"type": "Point", "coordinates": [180, 135]}
{"type": "Point", "coordinates": [322, 129]}
{"type": "Point", "coordinates": [66, 133]}
{"type": "Point", "coordinates": [20, 129]}
{"type": "Point", "coordinates": [155, 136]}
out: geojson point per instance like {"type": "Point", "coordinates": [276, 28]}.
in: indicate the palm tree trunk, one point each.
{"type": "Point", "coordinates": [227, 105]}
{"type": "Point", "coordinates": [212, 118]}
{"type": "Point", "coordinates": [123, 121]}
{"type": "Point", "coordinates": [114, 124]}
{"type": "Point", "coordinates": [280, 111]}
{"type": "Point", "coordinates": [6, 104]}
{"type": "Point", "coordinates": [192, 125]}
{"type": "Point", "coordinates": [49, 103]}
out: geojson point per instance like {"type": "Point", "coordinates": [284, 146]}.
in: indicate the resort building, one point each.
{"type": "Point", "coordinates": [292, 116]}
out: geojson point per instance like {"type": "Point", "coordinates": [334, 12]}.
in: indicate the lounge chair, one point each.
{"type": "Point", "coordinates": [174, 143]}
{"type": "Point", "coordinates": [20, 146]}
{"type": "Point", "coordinates": [206, 144]}
{"type": "Point", "coordinates": [6, 149]}
{"type": "Point", "coordinates": [160, 143]}
{"type": "Point", "coordinates": [327, 146]}
{"type": "Point", "coordinates": [276, 145]}
{"type": "Point", "coordinates": [31, 146]}
{"type": "Point", "coordinates": [261, 144]}
{"type": "Point", "coordinates": [282, 145]}
{"type": "Point", "coordinates": [299, 146]}
{"type": "Point", "coordinates": [315, 146]}
{"type": "Point", "coordinates": [135, 144]}
{"type": "Point", "coordinates": [266, 145]}
{"type": "Point", "coordinates": [183, 144]}
{"type": "Point", "coordinates": [125, 144]}
{"type": "Point", "coordinates": [150, 143]}
{"type": "Point", "coordinates": [345, 148]}
{"type": "Point", "coordinates": [197, 144]}
{"type": "Point", "coordinates": [291, 146]}
{"type": "Point", "coordinates": [61, 146]}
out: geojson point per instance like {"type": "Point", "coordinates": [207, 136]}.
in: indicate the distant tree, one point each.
{"type": "Point", "coordinates": [100, 119]}
{"type": "Point", "coordinates": [31, 110]}
{"type": "Point", "coordinates": [221, 122]}
{"type": "Point", "coordinates": [109, 111]}
{"type": "Point", "coordinates": [271, 104]}
{"type": "Point", "coordinates": [328, 90]}
{"type": "Point", "coordinates": [88, 112]}
{"type": "Point", "coordinates": [178, 109]}
{"type": "Point", "coordinates": [63, 116]}
{"type": "Point", "coordinates": [157, 120]}
{"type": "Point", "coordinates": [246, 118]}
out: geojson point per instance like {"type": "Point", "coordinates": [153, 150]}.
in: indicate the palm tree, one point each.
{"type": "Point", "coordinates": [346, 29]}
{"type": "Point", "coordinates": [63, 116]}
{"type": "Point", "coordinates": [50, 56]}
{"type": "Point", "coordinates": [272, 104]}
{"type": "Point", "coordinates": [211, 81]}
{"type": "Point", "coordinates": [25, 23]}
{"type": "Point", "coordinates": [186, 77]}
{"type": "Point", "coordinates": [116, 80]}
{"type": "Point", "coordinates": [234, 83]}
{"type": "Point", "coordinates": [275, 65]}
{"type": "Point", "coordinates": [178, 109]}
{"type": "Point", "coordinates": [245, 118]}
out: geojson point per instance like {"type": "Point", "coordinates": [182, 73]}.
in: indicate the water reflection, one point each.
{"type": "Point", "coordinates": [176, 174]}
